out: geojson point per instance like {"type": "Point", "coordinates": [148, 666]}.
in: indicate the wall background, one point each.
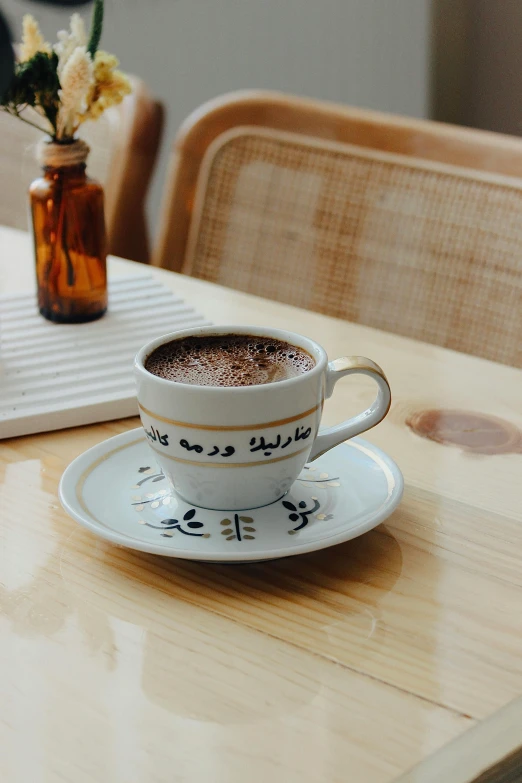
{"type": "Point", "coordinates": [372, 53]}
{"type": "Point", "coordinates": [494, 65]}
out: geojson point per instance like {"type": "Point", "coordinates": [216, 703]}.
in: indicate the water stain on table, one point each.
{"type": "Point", "coordinates": [475, 433]}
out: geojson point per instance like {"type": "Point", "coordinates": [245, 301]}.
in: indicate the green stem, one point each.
{"type": "Point", "coordinates": [51, 113]}
{"type": "Point", "coordinates": [71, 277]}
{"type": "Point", "coordinates": [96, 27]}
{"type": "Point", "coordinates": [15, 113]}
{"type": "Point", "coordinates": [55, 267]}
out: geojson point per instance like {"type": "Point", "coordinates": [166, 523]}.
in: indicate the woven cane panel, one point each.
{"type": "Point", "coordinates": [388, 242]}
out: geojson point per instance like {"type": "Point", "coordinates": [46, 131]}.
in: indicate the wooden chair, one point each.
{"type": "Point", "coordinates": [407, 225]}
{"type": "Point", "coordinates": [124, 145]}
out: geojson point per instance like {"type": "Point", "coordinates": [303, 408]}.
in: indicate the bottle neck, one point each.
{"type": "Point", "coordinates": [66, 174]}
{"type": "Point", "coordinates": [61, 161]}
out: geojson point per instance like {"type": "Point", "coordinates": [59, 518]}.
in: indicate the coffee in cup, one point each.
{"type": "Point", "coordinates": [228, 360]}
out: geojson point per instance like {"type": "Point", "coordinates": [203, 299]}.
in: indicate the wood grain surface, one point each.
{"type": "Point", "coordinates": [354, 663]}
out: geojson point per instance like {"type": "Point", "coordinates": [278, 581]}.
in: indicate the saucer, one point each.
{"type": "Point", "coordinates": [116, 490]}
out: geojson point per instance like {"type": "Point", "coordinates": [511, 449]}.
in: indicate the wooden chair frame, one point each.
{"type": "Point", "coordinates": [131, 170]}
{"type": "Point", "coordinates": [433, 141]}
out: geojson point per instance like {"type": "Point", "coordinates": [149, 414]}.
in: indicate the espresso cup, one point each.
{"type": "Point", "coordinates": [241, 447]}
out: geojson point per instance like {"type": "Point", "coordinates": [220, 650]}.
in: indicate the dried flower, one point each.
{"type": "Point", "coordinates": [104, 63]}
{"type": "Point", "coordinates": [69, 41]}
{"type": "Point", "coordinates": [32, 39]}
{"type": "Point", "coordinates": [110, 86]}
{"type": "Point", "coordinates": [68, 84]}
{"type": "Point", "coordinates": [77, 81]}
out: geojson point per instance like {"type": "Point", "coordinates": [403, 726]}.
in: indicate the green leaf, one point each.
{"type": "Point", "coordinates": [35, 82]}
{"type": "Point", "coordinates": [96, 27]}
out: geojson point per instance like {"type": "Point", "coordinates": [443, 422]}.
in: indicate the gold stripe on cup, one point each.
{"type": "Point", "coordinates": [231, 428]}
{"type": "Point", "coordinates": [229, 464]}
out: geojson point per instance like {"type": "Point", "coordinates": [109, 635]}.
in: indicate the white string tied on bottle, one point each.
{"type": "Point", "coordinates": [54, 155]}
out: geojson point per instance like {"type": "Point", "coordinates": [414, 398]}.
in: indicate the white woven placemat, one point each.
{"type": "Point", "coordinates": [54, 376]}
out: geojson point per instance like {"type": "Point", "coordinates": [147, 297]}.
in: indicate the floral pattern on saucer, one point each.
{"type": "Point", "coordinates": [235, 526]}
{"type": "Point", "coordinates": [344, 494]}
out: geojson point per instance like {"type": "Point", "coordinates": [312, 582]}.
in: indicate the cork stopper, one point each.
{"type": "Point", "coordinates": [49, 153]}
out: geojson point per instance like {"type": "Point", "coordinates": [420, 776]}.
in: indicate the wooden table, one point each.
{"type": "Point", "coordinates": [351, 664]}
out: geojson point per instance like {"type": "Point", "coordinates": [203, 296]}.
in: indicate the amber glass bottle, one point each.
{"type": "Point", "coordinates": [69, 236]}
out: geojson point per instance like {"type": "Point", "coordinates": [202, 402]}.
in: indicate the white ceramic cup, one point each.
{"type": "Point", "coordinates": [239, 447]}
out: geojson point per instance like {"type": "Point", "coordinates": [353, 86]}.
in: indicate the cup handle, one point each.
{"type": "Point", "coordinates": [349, 365]}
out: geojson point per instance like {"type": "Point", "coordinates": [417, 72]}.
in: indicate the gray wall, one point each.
{"type": "Point", "coordinates": [372, 53]}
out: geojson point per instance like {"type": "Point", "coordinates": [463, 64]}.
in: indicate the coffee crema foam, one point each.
{"type": "Point", "coordinates": [228, 360]}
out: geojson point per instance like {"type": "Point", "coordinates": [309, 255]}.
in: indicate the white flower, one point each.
{"type": "Point", "coordinates": [69, 41]}
{"type": "Point", "coordinates": [77, 81]}
{"type": "Point", "coordinates": [78, 29]}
